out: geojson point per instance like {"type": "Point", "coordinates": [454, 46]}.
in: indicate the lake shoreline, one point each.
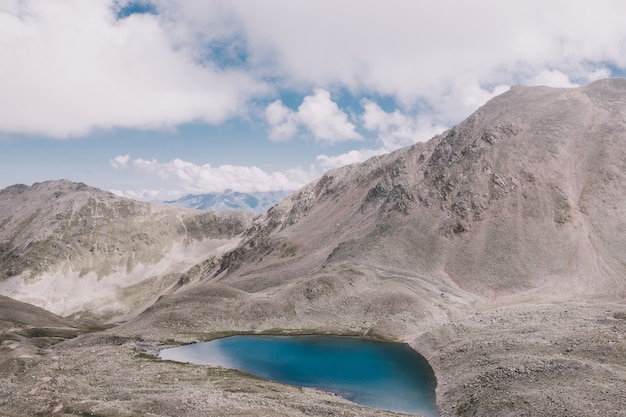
{"type": "Point", "coordinates": [352, 367]}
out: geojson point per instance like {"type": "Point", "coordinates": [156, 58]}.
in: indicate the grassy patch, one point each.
{"type": "Point", "coordinates": [147, 356]}
{"type": "Point", "coordinates": [37, 332]}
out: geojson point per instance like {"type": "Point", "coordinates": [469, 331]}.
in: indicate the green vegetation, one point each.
{"type": "Point", "coordinates": [59, 333]}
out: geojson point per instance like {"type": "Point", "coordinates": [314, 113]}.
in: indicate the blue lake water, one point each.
{"type": "Point", "coordinates": [389, 376]}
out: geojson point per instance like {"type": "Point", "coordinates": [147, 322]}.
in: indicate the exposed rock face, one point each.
{"type": "Point", "coordinates": [69, 248]}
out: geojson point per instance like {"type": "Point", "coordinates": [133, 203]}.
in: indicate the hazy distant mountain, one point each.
{"type": "Point", "coordinates": [256, 202]}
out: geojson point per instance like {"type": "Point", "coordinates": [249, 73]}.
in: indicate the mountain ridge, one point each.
{"type": "Point", "coordinates": [465, 201]}
{"type": "Point", "coordinates": [72, 248]}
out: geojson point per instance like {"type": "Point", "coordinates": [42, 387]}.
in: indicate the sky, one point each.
{"type": "Point", "coordinates": [157, 99]}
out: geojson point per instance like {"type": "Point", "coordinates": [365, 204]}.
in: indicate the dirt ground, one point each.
{"type": "Point", "coordinates": [521, 360]}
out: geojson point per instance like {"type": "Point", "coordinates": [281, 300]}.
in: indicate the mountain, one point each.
{"type": "Point", "coordinates": [71, 248]}
{"type": "Point", "coordinates": [255, 202]}
{"type": "Point", "coordinates": [496, 249]}
{"type": "Point", "coordinates": [525, 197]}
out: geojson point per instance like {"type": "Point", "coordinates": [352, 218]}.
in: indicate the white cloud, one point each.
{"type": "Point", "coordinates": [420, 52]}
{"type": "Point", "coordinates": [553, 78]}
{"type": "Point", "coordinates": [282, 120]}
{"type": "Point", "coordinates": [327, 162]}
{"type": "Point", "coordinates": [120, 162]}
{"type": "Point", "coordinates": [325, 119]}
{"type": "Point", "coordinates": [393, 130]}
{"type": "Point", "coordinates": [462, 97]}
{"type": "Point", "coordinates": [148, 195]}
{"type": "Point", "coordinates": [205, 178]}
{"type": "Point", "coordinates": [70, 66]}
{"type": "Point", "coordinates": [396, 129]}
{"type": "Point", "coordinates": [318, 113]}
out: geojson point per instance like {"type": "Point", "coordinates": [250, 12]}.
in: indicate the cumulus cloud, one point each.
{"type": "Point", "coordinates": [282, 120]}
{"type": "Point", "coordinates": [318, 113]}
{"type": "Point", "coordinates": [193, 178]}
{"type": "Point", "coordinates": [327, 162]}
{"type": "Point", "coordinates": [120, 162]}
{"type": "Point", "coordinates": [72, 66]}
{"type": "Point", "coordinates": [393, 130]}
{"type": "Point", "coordinates": [148, 195]}
{"type": "Point", "coordinates": [324, 119]}
{"type": "Point", "coordinates": [445, 37]}
{"type": "Point", "coordinates": [428, 51]}
{"type": "Point", "coordinates": [556, 78]}
{"type": "Point", "coordinates": [396, 129]}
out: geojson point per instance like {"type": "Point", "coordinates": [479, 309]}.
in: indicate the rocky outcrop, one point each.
{"type": "Point", "coordinates": [513, 199]}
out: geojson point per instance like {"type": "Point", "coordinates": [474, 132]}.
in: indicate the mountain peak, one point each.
{"type": "Point", "coordinates": [529, 186]}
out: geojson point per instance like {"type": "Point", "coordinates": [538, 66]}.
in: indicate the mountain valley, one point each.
{"type": "Point", "coordinates": [496, 249]}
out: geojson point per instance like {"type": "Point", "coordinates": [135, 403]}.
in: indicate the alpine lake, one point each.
{"type": "Point", "coordinates": [384, 375]}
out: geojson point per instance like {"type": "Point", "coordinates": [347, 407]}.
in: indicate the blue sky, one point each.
{"type": "Point", "coordinates": [157, 99]}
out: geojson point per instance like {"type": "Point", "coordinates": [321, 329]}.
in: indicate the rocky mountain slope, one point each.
{"type": "Point", "coordinates": [71, 248]}
{"type": "Point", "coordinates": [524, 197]}
{"type": "Point", "coordinates": [495, 249]}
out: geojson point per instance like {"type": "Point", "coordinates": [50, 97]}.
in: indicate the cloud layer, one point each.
{"type": "Point", "coordinates": [70, 66]}
{"type": "Point", "coordinates": [450, 54]}
{"type": "Point", "coordinates": [193, 178]}
{"type": "Point", "coordinates": [409, 68]}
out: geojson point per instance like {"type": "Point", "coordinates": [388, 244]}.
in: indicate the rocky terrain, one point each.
{"type": "Point", "coordinates": [497, 250]}
{"type": "Point", "coordinates": [74, 249]}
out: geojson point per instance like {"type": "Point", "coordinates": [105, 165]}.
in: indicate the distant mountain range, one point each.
{"type": "Point", "coordinates": [256, 202]}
